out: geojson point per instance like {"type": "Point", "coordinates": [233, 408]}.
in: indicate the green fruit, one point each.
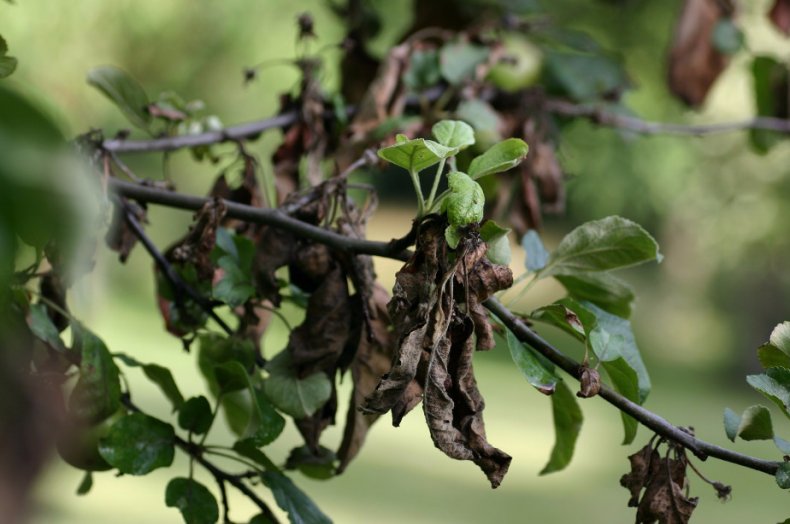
{"type": "Point", "coordinates": [78, 443]}
{"type": "Point", "coordinates": [522, 65]}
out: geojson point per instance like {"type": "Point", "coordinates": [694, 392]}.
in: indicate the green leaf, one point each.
{"type": "Point", "coordinates": [465, 203]}
{"type": "Point", "coordinates": [770, 357]}
{"type": "Point", "coordinates": [783, 475]}
{"type": "Point", "coordinates": [7, 66]}
{"type": "Point", "coordinates": [138, 444]}
{"type": "Point", "coordinates": [602, 289]}
{"type": "Point", "coordinates": [260, 518]}
{"type": "Point", "coordinates": [584, 76]}
{"type": "Point", "coordinates": [537, 374]}
{"type": "Point", "coordinates": [756, 424]}
{"type": "Point", "coordinates": [124, 92]}
{"type": "Point", "coordinates": [483, 118]}
{"type": "Point", "coordinates": [235, 286]}
{"type": "Point", "coordinates": [537, 256]}
{"type": "Point", "coordinates": [415, 155]}
{"type": "Point", "coordinates": [625, 382]}
{"type": "Point", "coordinates": [195, 415]}
{"type": "Point", "coordinates": [3, 46]}
{"type": "Point", "coordinates": [297, 397]}
{"type": "Point", "coordinates": [731, 423]}
{"type": "Point", "coordinates": [265, 424]}
{"type": "Point", "coordinates": [162, 377]}
{"type": "Point", "coordinates": [621, 342]}
{"type": "Point", "coordinates": [247, 448]}
{"type": "Point", "coordinates": [770, 79]}
{"type": "Point", "coordinates": [458, 61]}
{"type": "Point", "coordinates": [496, 237]}
{"type": "Point", "coordinates": [567, 425]}
{"type": "Point", "coordinates": [774, 384]}
{"type": "Point", "coordinates": [231, 376]}
{"type": "Point", "coordinates": [454, 134]}
{"type": "Point", "coordinates": [97, 394]}
{"type": "Point", "coordinates": [319, 466]}
{"type": "Point", "coordinates": [600, 245]}
{"type": "Point", "coordinates": [727, 38]}
{"type": "Point", "coordinates": [86, 484]}
{"type": "Point", "coordinates": [500, 157]}
{"type": "Point", "coordinates": [193, 499]}
{"type": "Point", "coordinates": [423, 71]}
{"type": "Point", "coordinates": [43, 328]}
{"type": "Point", "coordinates": [300, 509]}
{"type": "Point", "coordinates": [452, 236]}
{"type": "Point", "coordinates": [563, 314]}
{"type": "Point", "coordinates": [780, 337]}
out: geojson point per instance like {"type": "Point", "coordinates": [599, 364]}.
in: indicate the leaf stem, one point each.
{"type": "Point", "coordinates": [436, 178]}
{"type": "Point", "coordinates": [417, 189]}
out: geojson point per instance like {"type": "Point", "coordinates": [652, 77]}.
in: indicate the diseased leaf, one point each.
{"type": "Point", "coordinates": [533, 369]}
{"type": "Point", "coordinates": [568, 420]}
{"type": "Point", "coordinates": [43, 328]}
{"type": "Point", "coordinates": [195, 415]}
{"type": "Point", "coordinates": [297, 397]}
{"type": "Point", "coordinates": [602, 289]}
{"type": "Point", "coordinates": [458, 61]}
{"type": "Point", "coordinates": [466, 201]}
{"type": "Point", "coordinates": [537, 256]}
{"type": "Point", "coordinates": [562, 314]}
{"type": "Point", "coordinates": [756, 424]}
{"type": "Point", "coordinates": [124, 92]}
{"type": "Point", "coordinates": [138, 444]}
{"type": "Point", "coordinates": [601, 245]}
{"type": "Point", "coordinates": [454, 134]}
{"type": "Point", "coordinates": [195, 502]}
{"type": "Point", "coordinates": [500, 157]}
{"type": "Point", "coordinates": [589, 383]}
{"type": "Point", "coordinates": [774, 384]}
{"type": "Point", "coordinates": [97, 394]}
{"type": "Point", "coordinates": [292, 500]}
{"type": "Point", "coordinates": [731, 423]}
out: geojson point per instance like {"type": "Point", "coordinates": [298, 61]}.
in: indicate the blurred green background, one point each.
{"type": "Point", "coordinates": [718, 210]}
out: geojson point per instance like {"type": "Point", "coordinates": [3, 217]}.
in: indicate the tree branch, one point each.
{"type": "Point", "coordinates": [279, 219]}
{"type": "Point", "coordinates": [602, 117]}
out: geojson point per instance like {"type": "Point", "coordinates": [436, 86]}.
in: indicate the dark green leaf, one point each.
{"type": "Point", "coordinates": [458, 61]}
{"type": "Point", "coordinates": [454, 134]}
{"type": "Point", "coordinates": [195, 415]}
{"type": "Point", "coordinates": [320, 466]}
{"type": "Point", "coordinates": [567, 425]}
{"type": "Point", "coordinates": [770, 356]}
{"type": "Point", "coordinates": [496, 237]}
{"type": "Point", "coordinates": [300, 509]}
{"type": "Point", "coordinates": [265, 423]}
{"type": "Point", "coordinates": [783, 475]}
{"type": "Point", "coordinates": [600, 245]}
{"type": "Point", "coordinates": [247, 448]}
{"type": "Point", "coordinates": [771, 80]}
{"type": "Point", "coordinates": [235, 286]}
{"type": "Point", "coordinates": [193, 499]}
{"type": "Point", "coordinates": [124, 92]}
{"type": "Point", "coordinates": [727, 38]}
{"type": "Point", "coordinates": [415, 155]}
{"type": "Point", "coordinates": [541, 378]}
{"type": "Point", "coordinates": [465, 203]}
{"type": "Point", "coordinates": [297, 397]}
{"type": "Point", "coordinates": [42, 327]}
{"type": "Point", "coordinates": [86, 484]}
{"type": "Point", "coordinates": [584, 76]}
{"type": "Point", "coordinates": [231, 376]}
{"type": "Point", "coordinates": [625, 382]}
{"type": "Point", "coordinates": [162, 377]}
{"type": "Point", "coordinates": [775, 385]}
{"type": "Point", "coordinates": [97, 394]}
{"type": "Point", "coordinates": [537, 256]}
{"type": "Point", "coordinates": [731, 423]}
{"type": "Point", "coordinates": [423, 71]}
{"type": "Point", "coordinates": [756, 424]}
{"type": "Point", "coordinates": [500, 157]}
{"type": "Point", "coordinates": [260, 518]}
{"type": "Point", "coordinates": [138, 444]}
{"type": "Point", "coordinates": [602, 289]}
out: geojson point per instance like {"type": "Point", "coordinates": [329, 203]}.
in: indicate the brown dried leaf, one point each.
{"type": "Point", "coordinates": [195, 248]}
{"type": "Point", "coordinates": [665, 500]}
{"type": "Point", "coordinates": [485, 279]}
{"type": "Point", "coordinates": [636, 479]}
{"type": "Point", "coordinates": [780, 16]}
{"type": "Point", "coordinates": [590, 383]}
{"type": "Point", "coordinates": [274, 248]}
{"type": "Point", "coordinates": [694, 62]}
{"type": "Point", "coordinates": [120, 237]}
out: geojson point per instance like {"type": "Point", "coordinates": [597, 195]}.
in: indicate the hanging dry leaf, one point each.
{"type": "Point", "coordinates": [120, 238]}
{"type": "Point", "coordinates": [694, 62]}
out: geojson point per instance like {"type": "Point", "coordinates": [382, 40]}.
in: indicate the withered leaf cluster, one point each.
{"type": "Point", "coordinates": [439, 320]}
{"type": "Point", "coordinates": [658, 486]}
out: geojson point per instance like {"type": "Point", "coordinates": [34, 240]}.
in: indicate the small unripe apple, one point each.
{"type": "Point", "coordinates": [78, 444]}
{"type": "Point", "coordinates": [520, 66]}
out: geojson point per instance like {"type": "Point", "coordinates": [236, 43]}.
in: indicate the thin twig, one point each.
{"type": "Point", "coordinates": [224, 495]}
{"type": "Point", "coordinates": [606, 118]}
{"type": "Point", "coordinates": [175, 279]}
{"type": "Point", "coordinates": [275, 218]}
